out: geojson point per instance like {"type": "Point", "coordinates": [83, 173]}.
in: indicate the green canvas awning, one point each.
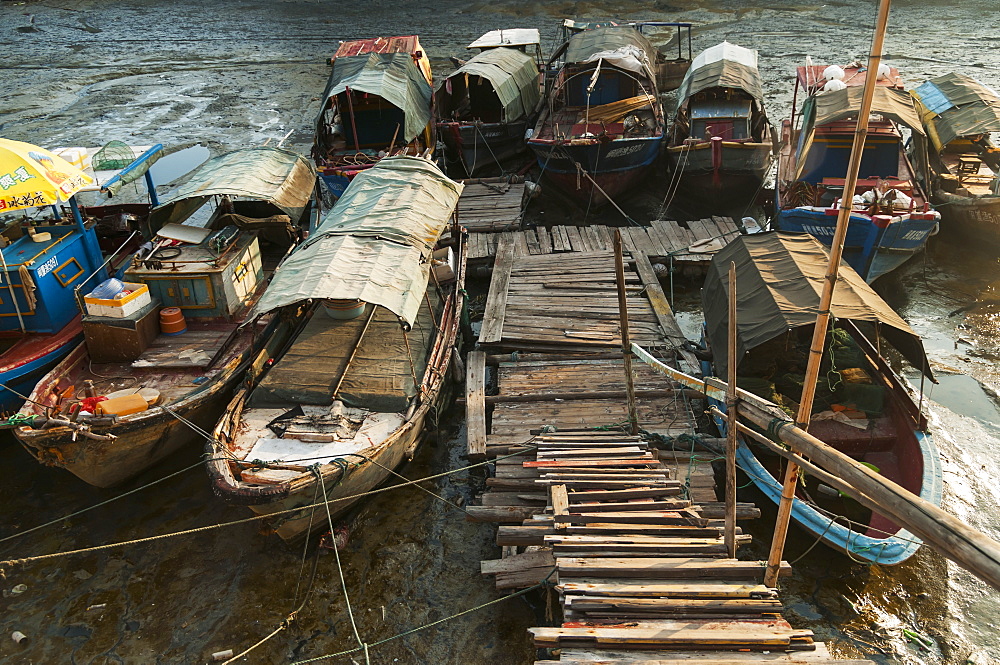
{"type": "Point", "coordinates": [513, 75]}
{"type": "Point", "coordinates": [779, 280]}
{"type": "Point", "coordinates": [392, 76]}
{"type": "Point", "coordinates": [282, 178]}
{"type": "Point", "coordinates": [954, 105]}
{"type": "Point", "coordinates": [891, 103]}
{"type": "Point", "coordinates": [723, 66]}
{"type": "Point", "coordinates": [375, 244]}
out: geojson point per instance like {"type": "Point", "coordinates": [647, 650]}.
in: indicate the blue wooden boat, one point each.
{"type": "Point", "coordinates": [602, 125]}
{"type": "Point", "coordinates": [891, 218]}
{"type": "Point", "coordinates": [864, 409]}
{"type": "Point", "coordinates": [51, 254]}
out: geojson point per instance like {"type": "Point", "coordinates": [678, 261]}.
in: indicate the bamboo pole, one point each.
{"type": "Point", "coordinates": [733, 413]}
{"type": "Point", "coordinates": [823, 315]}
{"type": "Point", "coordinates": [633, 415]}
{"type": "Point", "coordinates": [354, 123]}
{"type": "Point", "coordinates": [953, 538]}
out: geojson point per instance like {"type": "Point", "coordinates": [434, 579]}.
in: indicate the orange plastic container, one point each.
{"type": "Point", "coordinates": [122, 406]}
{"type": "Point", "coordinates": [172, 321]}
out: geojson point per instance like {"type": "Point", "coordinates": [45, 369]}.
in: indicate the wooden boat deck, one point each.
{"type": "Point", "coordinates": [690, 243]}
{"type": "Point", "coordinates": [490, 205]}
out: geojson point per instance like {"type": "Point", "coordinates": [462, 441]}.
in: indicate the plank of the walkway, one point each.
{"type": "Point", "coordinates": [661, 307]}
{"type": "Point", "coordinates": [730, 658]}
{"type": "Point", "coordinates": [665, 568]}
{"type": "Point", "coordinates": [496, 301]}
{"type": "Point", "coordinates": [475, 404]}
{"type": "Point", "coordinates": [665, 607]}
{"type": "Point", "coordinates": [697, 657]}
{"type": "Point", "coordinates": [762, 634]}
{"type": "Point", "coordinates": [560, 503]}
{"type": "Point", "coordinates": [666, 589]}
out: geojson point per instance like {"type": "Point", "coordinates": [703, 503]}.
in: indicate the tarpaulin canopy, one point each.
{"type": "Point", "coordinates": [891, 103]}
{"type": "Point", "coordinates": [779, 280]}
{"type": "Point", "coordinates": [392, 76]}
{"type": "Point", "coordinates": [955, 105]}
{"type": "Point", "coordinates": [508, 37]}
{"type": "Point", "coordinates": [282, 178]}
{"type": "Point", "coordinates": [622, 46]}
{"type": "Point", "coordinates": [826, 107]}
{"type": "Point", "coordinates": [724, 65]}
{"type": "Point", "coordinates": [375, 244]}
{"type": "Point", "coordinates": [513, 75]}
{"type": "Point", "coordinates": [31, 176]}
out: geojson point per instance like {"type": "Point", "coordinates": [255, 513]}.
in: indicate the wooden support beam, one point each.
{"type": "Point", "coordinates": [475, 405]}
{"type": "Point", "coordinates": [560, 503]}
{"type": "Point", "coordinates": [496, 301]}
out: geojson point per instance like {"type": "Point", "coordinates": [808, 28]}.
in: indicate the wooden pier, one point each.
{"type": "Point", "coordinates": [690, 244]}
{"type": "Point", "coordinates": [491, 205]}
{"type": "Point", "coordinates": [626, 529]}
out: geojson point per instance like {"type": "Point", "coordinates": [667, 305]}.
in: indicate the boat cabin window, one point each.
{"type": "Point", "coordinates": [728, 119]}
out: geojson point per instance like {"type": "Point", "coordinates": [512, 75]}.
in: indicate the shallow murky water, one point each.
{"type": "Point", "coordinates": [229, 74]}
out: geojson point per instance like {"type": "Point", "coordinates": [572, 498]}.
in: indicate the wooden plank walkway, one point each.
{"type": "Point", "coordinates": [569, 302]}
{"type": "Point", "coordinates": [639, 568]}
{"type": "Point", "coordinates": [688, 243]}
{"type": "Point", "coordinates": [489, 205]}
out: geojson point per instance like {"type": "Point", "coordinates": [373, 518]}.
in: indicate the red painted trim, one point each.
{"type": "Point", "coordinates": [35, 346]}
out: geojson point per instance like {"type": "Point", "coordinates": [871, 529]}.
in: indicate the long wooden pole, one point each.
{"type": "Point", "coordinates": [969, 548]}
{"type": "Point", "coordinates": [823, 316]}
{"type": "Point", "coordinates": [731, 432]}
{"type": "Point", "coordinates": [633, 414]}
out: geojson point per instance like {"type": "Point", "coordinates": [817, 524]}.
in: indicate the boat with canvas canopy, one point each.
{"type": "Point", "coordinates": [862, 407]}
{"type": "Point", "coordinates": [378, 101]}
{"type": "Point", "coordinates": [350, 396]}
{"type": "Point", "coordinates": [960, 159]}
{"type": "Point", "coordinates": [164, 348]}
{"type": "Point", "coordinates": [720, 142]}
{"type": "Point", "coordinates": [891, 218]}
{"type": "Point", "coordinates": [484, 109]}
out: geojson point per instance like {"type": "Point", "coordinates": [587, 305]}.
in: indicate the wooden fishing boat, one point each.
{"type": "Point", "coordinates": [131, 395]}
{"type": "Point", "coordinates": [891, 218]}
{"type": "Point", "coordinates": [959, 162]}
{"type": "Point", "coordinates": [47, 257]}
{"type": "Point", "coordinates": [669, 68]}
{"type": "Point", "coordinates": [720, 142]}
{"type": "Point", "coordinates": [601, 127]}
{"type": "Point", "coordinates": [863, 408]}
{"type": "Point", "coordinates": [485, 106]}
{"type": "Point", "coordinates": [350, 397]}
{"type": "Point", "coordinates": [378, 101]}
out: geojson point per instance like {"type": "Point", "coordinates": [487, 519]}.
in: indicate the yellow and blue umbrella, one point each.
{"type": "Point", "coordinates": [33, 177]}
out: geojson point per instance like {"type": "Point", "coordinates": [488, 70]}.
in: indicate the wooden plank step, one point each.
{"type": "Point", "coordinates": [602, 483]}
{"type": "Point", "coordinates": [665, 568]}
{"type": "Point", "coordinates": [582, 496]}
{"type": "Point", "coordinates": [759, 634]}
{"type": "Point", "coordinates": [637, 588]}
{"type": "Point", "coordinates": [534, 534]}
{"type": "Point", "coordinates": [696, 656]}
{"type": "Point", "coordinates": [680, 547]}
{"type": "Point", "coordinates": [631, 506]}
{"type": "Point", "coordinates": [580, 463]}
{"type": "Point", "coordinates": [502, 514]}
{"type": "Point", "coordinates": [666, 607]}
{"type": "Point", "coordinates": [793, 658]}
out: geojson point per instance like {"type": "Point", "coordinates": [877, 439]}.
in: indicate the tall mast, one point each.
{"type": "Point", "coordinates": [804, 415]}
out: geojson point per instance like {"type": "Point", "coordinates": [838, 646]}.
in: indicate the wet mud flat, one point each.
{"type": "Point", "coordinates": [226, 75]}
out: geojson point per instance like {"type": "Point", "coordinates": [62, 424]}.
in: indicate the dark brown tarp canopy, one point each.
{"type": "Point", "coordinates": [779, 279]}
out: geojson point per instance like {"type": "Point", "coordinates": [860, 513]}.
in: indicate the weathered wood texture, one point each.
{"type": "Point", "coordinates": [687, 243]}
{"type": "Point", "coordinates": [637, 566]}
{"type": "Point", "coordinates": [488, 205]}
